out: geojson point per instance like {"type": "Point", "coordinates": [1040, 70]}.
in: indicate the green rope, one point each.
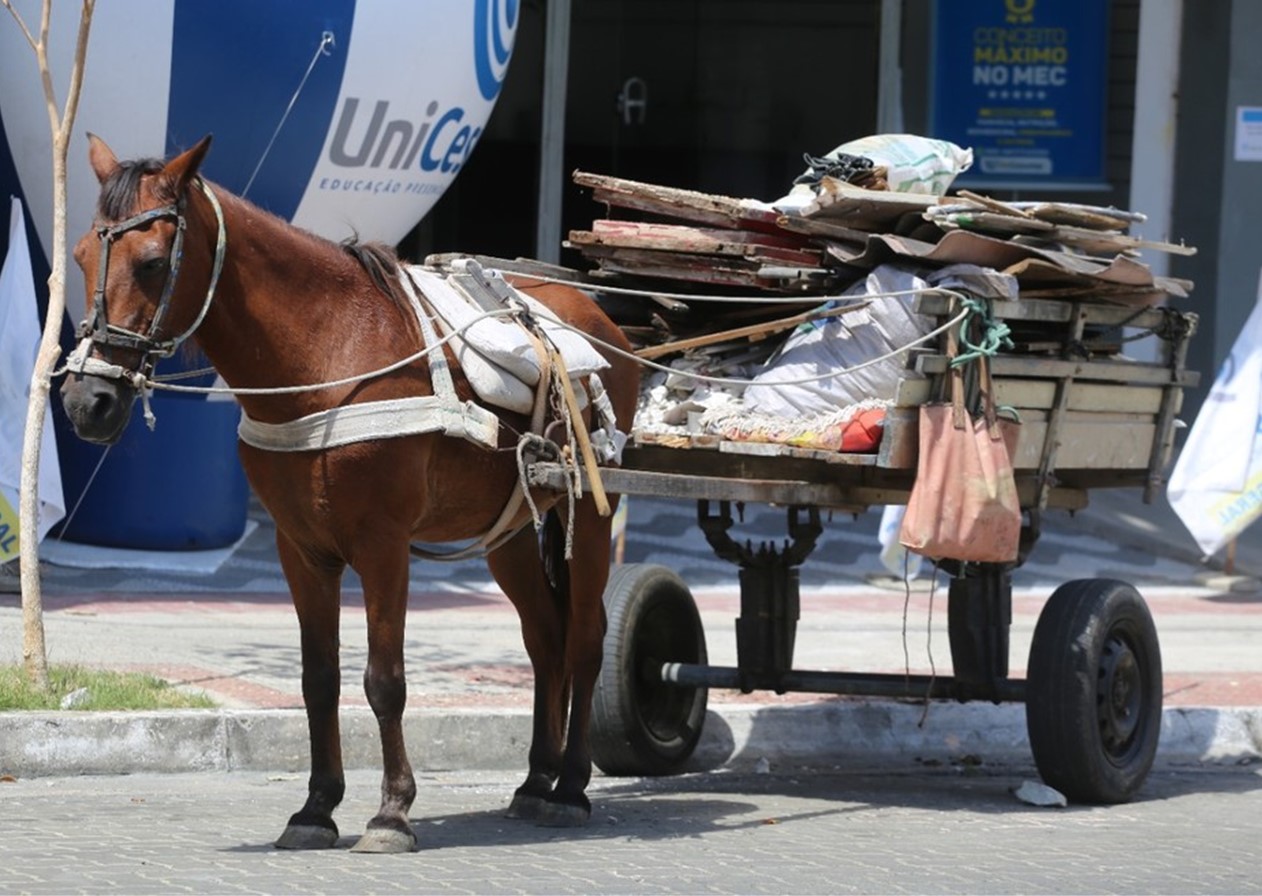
{"type": "Point", "coordinates": [995, 335]}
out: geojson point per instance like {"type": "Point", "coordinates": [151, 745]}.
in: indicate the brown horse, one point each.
{"type": "Point", "coordinates": [173, 258]}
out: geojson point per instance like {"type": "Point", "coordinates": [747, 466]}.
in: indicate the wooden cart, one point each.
{"type": "Point", "coordinates": [1094, 686]}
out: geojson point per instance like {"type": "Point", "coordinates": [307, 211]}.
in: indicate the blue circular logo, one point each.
{"type": "Point", "coordinates": [494, 27]}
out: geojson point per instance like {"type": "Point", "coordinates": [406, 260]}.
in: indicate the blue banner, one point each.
{"type": "Point", "coordinates": [1024, 83]}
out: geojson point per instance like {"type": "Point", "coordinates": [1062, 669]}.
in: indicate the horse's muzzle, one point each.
{"type": "Point", "coordinates": [98, 408]}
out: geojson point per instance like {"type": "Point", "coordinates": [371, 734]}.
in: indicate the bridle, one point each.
{"type": "Point", "coordinates": [96, 330]}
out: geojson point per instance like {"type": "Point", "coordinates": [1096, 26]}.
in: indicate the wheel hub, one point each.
{"type": "Point", "coordinates": [1119, 695]}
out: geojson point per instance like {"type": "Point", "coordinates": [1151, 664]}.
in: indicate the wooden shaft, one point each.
{"type": "Point", "coordinates": [584, 443]}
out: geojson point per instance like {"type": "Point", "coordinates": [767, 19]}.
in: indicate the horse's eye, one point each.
{"type": "Point", "coordinates": [148, 267]}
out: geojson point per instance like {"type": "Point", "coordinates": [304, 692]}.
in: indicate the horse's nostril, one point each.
{"type": "Point", "coordinates": [103, 404]}
{"type": "Point", "coordinates": [98, 410]}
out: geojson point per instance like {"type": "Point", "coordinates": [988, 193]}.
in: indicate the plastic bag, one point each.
{"type": "Point", "coordinates": [912, 164]}
{"type": "Point", "coordinates": [840, 343]}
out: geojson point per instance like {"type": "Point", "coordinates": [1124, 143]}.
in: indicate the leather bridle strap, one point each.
{"type": "Point", "coordinates": [96, 330]}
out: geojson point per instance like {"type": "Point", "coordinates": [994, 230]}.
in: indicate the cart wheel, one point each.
{"type": "Point", "coordinates": [1093, 691]}
{"type": "Point", "coordinates": [640, 724]}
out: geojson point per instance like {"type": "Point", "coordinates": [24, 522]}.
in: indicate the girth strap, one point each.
{"type": "Point", "coordinates": [441, 412]}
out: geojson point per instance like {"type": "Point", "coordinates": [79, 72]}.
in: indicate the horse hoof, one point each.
{"type": "Point", "coordinates": [564, 815]}
{"type": "Point", "coordinates": [526, 806]}
{"type": "Point", "coordinates": [385, 840]}
{"type": "Point", "coordinates": [307, 836]}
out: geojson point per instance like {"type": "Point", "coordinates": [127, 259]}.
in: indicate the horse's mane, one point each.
{"type": "Point", "coordinates": [381, 263]}
{"type": "Point", "coordinates": [120, 190]}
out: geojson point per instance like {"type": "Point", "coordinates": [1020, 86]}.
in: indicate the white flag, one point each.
{"type": "Point", "coordinates": [1216, 485]}
{"type": "Point", "coordinates": [19, 344]}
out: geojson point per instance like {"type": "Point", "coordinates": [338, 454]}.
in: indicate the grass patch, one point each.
{"type": "Point", "coordinates": [104, 690]}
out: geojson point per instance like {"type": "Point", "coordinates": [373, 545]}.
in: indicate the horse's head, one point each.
{"type": "Point", "coordinates": [146, 262]}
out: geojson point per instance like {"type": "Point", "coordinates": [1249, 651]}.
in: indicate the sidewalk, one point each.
{"type": "Point", "coordinates": [232, 633]}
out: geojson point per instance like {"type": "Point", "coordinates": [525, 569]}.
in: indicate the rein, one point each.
{"type": "Point", "coordinates": [96, 330]}
{"type": "Point", "coordinates": [166, 383]}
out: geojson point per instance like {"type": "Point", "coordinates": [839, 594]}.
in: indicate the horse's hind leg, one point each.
{"type": "Point", "coordinates": [518, 571]}
{"type": "Point", "coordinates": [584, 651]}
{"type": "Point", "coordinates": [383, 567]}
{"type": "Point", "coordinates": [315, 595]}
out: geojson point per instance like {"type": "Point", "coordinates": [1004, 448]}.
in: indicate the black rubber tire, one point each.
{"type": "Point", "coordinates": [641, 725]}
{"type": "Point", "coordinates": [1093, 691]}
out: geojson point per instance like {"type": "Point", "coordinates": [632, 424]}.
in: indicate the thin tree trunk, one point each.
{"type": "Point", "coordinates": [34, 651]}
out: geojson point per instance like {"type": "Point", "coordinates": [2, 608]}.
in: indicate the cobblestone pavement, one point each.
{"type": "Point", "coordinates": [793, 830]}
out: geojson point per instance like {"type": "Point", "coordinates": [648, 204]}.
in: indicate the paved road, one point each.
{"type": "Point", "coordinates": [883, 829]}
{"type": "Point", "coordinates": [233, 633]}
{"type": "Point", "coordinates": [898, 824]}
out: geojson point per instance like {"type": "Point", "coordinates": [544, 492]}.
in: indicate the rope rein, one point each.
{"type": "Point", "coordinates": [167, 383]}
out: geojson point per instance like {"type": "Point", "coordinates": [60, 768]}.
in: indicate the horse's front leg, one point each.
{"type": "Point", "coordinates": [384, 571]}
{"type": "Point", "coordinates": [315, 590]}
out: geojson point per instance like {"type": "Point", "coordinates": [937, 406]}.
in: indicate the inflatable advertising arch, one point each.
{"type": "Point", "coordinates": [342, 116]}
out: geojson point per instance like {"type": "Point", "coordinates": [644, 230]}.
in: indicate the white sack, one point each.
{"type": "Point", "coordinates": [839, 343]}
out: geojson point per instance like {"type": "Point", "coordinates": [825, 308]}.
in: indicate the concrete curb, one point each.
{"type": "Point", "coordinates": [835, 733]}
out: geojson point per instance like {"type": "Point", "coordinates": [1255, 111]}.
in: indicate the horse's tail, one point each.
{"type": "Point", "coordinates": [552, 551]}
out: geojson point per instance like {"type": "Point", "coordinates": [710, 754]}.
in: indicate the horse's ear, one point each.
{"type": "Point", "coordinates": [183, 168]}
{"type": "Point", "coordinates": [101, 157]}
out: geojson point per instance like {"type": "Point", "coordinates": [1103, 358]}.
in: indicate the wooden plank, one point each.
{"type": "Point", "coordinates": [1091, 446]}
{"type": "Point", "coordinates": [1053, 368]}
{"type": "Point", "coordinates": [1037, 310]}
{"type": "Point", "coordinates": [994, 205]}
{"type": "Point", "coordinates": [1058, 414]}
{"type": "Point", "coordinates": [822, 228]}
{"type": "Point", "coordinates": [1163, 435]}
{"type": "Point", "coordinates": [1094, 217]}
{"type": "Point", "coordinates": [711, 442]}
{"type": "Point", "coordinates": [1039, 394]}
{"type": "Point", "coordinates": [1066, 233]}
{"type": "Point", "coordinates": [690, 238]}
{"type": "Point", "coordinates": [1011, 222]}
{"type": "Point", "coordinates": [690, 205]}
{"type": "Point", "coordinates": [708, 488]}
{"type": "Point", "coordinates": [1088, 441]}
{"type": "Point", "coordinates": [676, 266]}
{"type": "Point", "coordinates": [695, 240]}
{"type": "Point", "coordinates": [711, 269]}
{"type": "Point", "coordinates": [990, 222]}
{"type": "Point", "coordinates": [844, 492]}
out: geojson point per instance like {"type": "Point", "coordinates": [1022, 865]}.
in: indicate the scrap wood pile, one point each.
{"type": "Point", "coordinates": [725, 285]}
{"type": "Point", "coordinates": [719, 244]}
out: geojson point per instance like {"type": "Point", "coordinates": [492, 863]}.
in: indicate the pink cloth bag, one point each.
{"type": "Point", "coordinates": [964, 503]}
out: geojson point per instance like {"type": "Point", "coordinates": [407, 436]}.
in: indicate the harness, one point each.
{"type": "Point", "coordinates": [96, 330]}
{"type": "Point", "coordinates": [440, 412]}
